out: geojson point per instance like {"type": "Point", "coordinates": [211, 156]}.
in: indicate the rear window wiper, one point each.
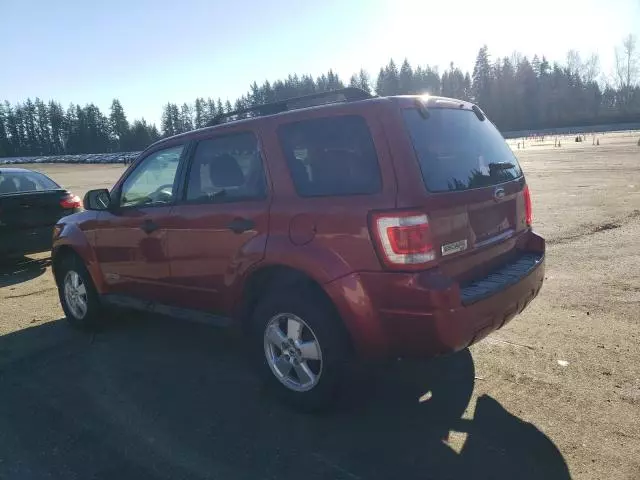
{"type": "Point", "coordinates": [501, 166]}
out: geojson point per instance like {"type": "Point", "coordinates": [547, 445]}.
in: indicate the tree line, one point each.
{"type": "Point", "coordinates": [515, 92]}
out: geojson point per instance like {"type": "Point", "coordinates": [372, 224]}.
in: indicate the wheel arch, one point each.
{"type": "Point", "coordinates": [59, 255]}
{"type": "Point", "coordinates": [270, 278]}
{"type": "Point", "coordinates": [82, 250]}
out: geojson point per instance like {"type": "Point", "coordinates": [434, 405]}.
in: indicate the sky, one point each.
{"type": "Point", "coordinates": [147, 53]}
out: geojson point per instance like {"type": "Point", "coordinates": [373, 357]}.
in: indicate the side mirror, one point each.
{"type": "Point", "coordinates": [99, 199]}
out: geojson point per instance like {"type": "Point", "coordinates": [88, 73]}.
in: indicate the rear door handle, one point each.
{"type": "Point", "coordinates": [240, 225]}
{"type": "Point", "coordinates": [149, 226]}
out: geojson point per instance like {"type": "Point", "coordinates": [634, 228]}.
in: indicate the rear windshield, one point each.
{"type": "Point", "coordinates": [458, 151]}
{"type": "Point", "coordinates": [331, 156]}
{"type": "Point", "coordinates": [20, 182]}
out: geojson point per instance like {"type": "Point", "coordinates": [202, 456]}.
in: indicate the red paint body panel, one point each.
{"type": "Point", "coordinates": [79, 235]}
{"type": "Point", "coordinates": [208, 260]}
{"type": "Point", "coordinates": [132, 261]}
{"type": "Point", "coordinates": [421, 314]}
{"type": "Point", "coordinates": [194, 261]}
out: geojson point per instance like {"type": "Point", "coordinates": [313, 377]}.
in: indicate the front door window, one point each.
{"type": "Point", "coordinates": [153, 182]}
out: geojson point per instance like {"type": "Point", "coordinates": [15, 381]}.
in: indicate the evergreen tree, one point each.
{"type": "Point", "coordinates": [118, 125]}
{"type": "Point", "coordinates": [467, 87]}
{"type": "Point", "coordinates": [72, 133]}
{"type": "Point", "coordinates": [333, 81]}
{"type": "Point", "coordinates": [212, 111]}
{"type": "Point", "coordinates": [186, 118]}
{"type": "Point", "coordinates": [427, 81]}
{"type": "Point", "coordinates": [142, 135]}
{"type": "Point", "coordinates": [322, 83]}
{"type": "Point", "coordinates": [544, 67]}
{"type": "Point", "coordinates": [256, 95]}
{"type": "Point", "coordinates": [391, 85]}
{"type": "Point", "coordinates": [239, 105]}
{"type": "Point", "coordinates": [527, 96]}
{"type": "Point", "coordinates": [307, 85]}
{"type": "Point", "coordinates": [515, 93]}
{"type": "Point", "coordinates": [454, 83]}
{"type": "Point", "coordinates": [14, 130]}
{"type": "Point", "coordinates": [30, 128]}
{"type": "Point", "coordinates": [364, 82]}
{"type": "Point", "coordinates": [482, 78]}
{"type": "Point", "coordinates": [380, 82]}
{"type": "Point", "coordinates": [200, 116]}
{"type": "Point", "coordinates": [91, 133]}
{"type": "Point", "coordinates": [536, 65]}
{"type": "Point", "coordinates": [167, 125]}
{"type": "Point", "coordinates": [57, 124]}
{"type": "Point", "coordinates": [43, 132]}
{"type": "Point", "coordinates": [447, 88]}
{"type": "Point", "coordinates": [5, 146]}
{"type": "Point", "coordinates": [405, 79]}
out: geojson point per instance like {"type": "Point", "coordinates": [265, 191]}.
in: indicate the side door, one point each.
{"type": "Point", "coordinates": [131, 236]}
{"type": "Point", "coordinates": [219, 229]}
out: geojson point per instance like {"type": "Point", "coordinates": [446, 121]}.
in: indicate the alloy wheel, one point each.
{"type": "Point", "coordinates": [75, 294]}
{"type": "Point", "coordinates": [293, 352]}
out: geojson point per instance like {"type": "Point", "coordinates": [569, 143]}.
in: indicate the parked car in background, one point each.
{"type": "Point", "coordinates": [30, 205]}
{"type": "Point", "coordinates": [335, 226]}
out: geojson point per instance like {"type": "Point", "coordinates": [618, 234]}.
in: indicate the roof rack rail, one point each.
{"type": "Point", "coordinates": [349, 94]}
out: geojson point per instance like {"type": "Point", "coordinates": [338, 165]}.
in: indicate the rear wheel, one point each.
{"type": "Point", "coordinates": [302, 348]}
{"type": "Point", "coordinates": [78, 295]}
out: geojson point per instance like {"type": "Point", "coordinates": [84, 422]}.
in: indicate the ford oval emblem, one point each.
{"type": "Point", "coordinates": [498, 194]}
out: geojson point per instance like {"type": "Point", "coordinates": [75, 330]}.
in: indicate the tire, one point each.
{"type": "Point", "coordinates": [76, 288]}
{"type": "Point", "coordinates": [304, 377]}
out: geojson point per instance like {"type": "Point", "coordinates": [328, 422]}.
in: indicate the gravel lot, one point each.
{"type": "Point", "coordinates": [555, 394]}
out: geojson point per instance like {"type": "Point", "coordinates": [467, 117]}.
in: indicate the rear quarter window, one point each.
{"type": "Point", "coordinates": [331, 156]}
{"type": "Point", "coordinates": [458, 151]}
{"type": "Point", "coordinates": [22, 182]}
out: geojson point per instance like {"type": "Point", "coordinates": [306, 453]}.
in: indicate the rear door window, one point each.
{"type": "Point", "coordinates": [331, 156]}
{"type": "Point", "coordinates": [458, 151]}
{"type": "Point", "coordinates": [226, 169]}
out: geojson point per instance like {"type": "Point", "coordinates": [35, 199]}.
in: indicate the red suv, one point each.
{"type": "Point", "coordinates": [332, 226]}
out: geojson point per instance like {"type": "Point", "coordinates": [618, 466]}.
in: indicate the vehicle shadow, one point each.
{"type": "Point", "coordinates": [21, 269]}
{"type": "Point", "coordinates": [155, 398]}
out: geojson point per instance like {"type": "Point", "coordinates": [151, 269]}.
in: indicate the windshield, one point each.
{"type": "Point", "coordinates": [21, 182]}
{"type": "Point", "coordinates": [458, 151]}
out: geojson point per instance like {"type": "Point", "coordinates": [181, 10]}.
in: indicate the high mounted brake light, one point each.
{"type": "Point", "coordinates": [403, 239]}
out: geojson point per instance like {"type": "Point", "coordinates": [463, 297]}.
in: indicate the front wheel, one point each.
{"type": "Point", "coordinates": [78, 295]}
{"type": "Point", "coordinates": [302, 346]}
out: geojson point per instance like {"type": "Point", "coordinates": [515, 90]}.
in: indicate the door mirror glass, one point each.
{"type": "Point", "coordinates": [99, 199]}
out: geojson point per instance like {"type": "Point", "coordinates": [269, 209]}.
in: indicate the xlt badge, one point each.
{"type": "Point", "coordinates": [454, 247]}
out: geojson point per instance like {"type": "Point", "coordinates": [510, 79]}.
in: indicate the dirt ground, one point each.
{"type": "Point", "coordinates": [555, 394]}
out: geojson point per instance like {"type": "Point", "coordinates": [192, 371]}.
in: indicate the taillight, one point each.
{"type": "Point", "coordinates": [71, 202]}
{"type": "Point", "coordinates": [404, 239]}
{"type": "Point", "coordinates": [528, 211]}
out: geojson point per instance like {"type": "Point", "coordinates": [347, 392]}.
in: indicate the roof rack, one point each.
{"type": "Point", "coordinates": [349, 94]}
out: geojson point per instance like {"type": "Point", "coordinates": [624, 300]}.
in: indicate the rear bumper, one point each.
{"type": "Point", "coordinates": [426, 314]}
